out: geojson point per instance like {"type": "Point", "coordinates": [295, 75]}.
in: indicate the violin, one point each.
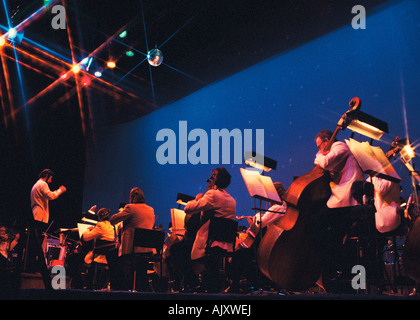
{"type": "Point", "coordinates": [247, 239]}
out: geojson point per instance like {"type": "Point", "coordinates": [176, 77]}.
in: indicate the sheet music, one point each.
{"type": "Point", "coordinates": [82, 228]}
{"type": "Point", "coordinates": [372, 160]}
{"type": "Point", "coordinates": [178, 221]}
{"type": "Point", "coordinates": [260, 187]}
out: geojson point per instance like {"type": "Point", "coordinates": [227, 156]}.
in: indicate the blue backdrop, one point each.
{"type": "Point", "coordinates": [291, 96]}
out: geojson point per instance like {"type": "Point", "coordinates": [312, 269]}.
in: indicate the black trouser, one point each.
{"type": "Point", "coordinates": [332, 229]}
{"type": "Point", "coordinates": [241, 260]}
{"type": "Point", "coordinates": [212, 280]}
{"type": "Point", "coordinates": [35, 258]}
{"type": "Point", "coordinates": [181, 264]}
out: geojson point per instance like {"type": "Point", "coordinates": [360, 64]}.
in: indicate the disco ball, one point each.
{"type": "Point", "coordinates": [155, 57]}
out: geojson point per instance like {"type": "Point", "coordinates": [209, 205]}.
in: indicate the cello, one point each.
{"type": "Point", "coordinates": [287, 254]}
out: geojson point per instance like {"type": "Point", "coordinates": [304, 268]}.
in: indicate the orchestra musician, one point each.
{"type": "Point", "coordinates": [334, 222]}
{"type": "Point", "coordinates": [215, 202]}
{"type": "Point", "coordinates": [244, 252]}
{"type": "Point", "coordinates": [104, 231]}
{"type": "Point", "coordinates": [178, 256]}
{"type": "Point", "coordinates": [7, 243]}
{"type": "Point", "coordinates": [136, 214]}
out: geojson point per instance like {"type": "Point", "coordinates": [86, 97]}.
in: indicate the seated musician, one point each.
{"type": "Point", "coordinates": [216, 202]}
{"type": "Point", "coordinates": [274, 213]}
{"type": "Point", "coordinates": [7, 243]}
{"type": "Point", "coordinates": [178, 256]}
{"type": "Point", "coordinates": [136, 214]}
{"type": "Point", "coordinates": [245, 253]}
{"type": "Point", "coordinates": [103, 230]}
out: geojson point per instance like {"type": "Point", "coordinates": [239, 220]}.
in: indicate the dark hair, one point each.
{"type": "Point", "coordinates": [46, 173]}
{"type": "Point", "coordinates": [223, 178]}
{"type": "Point", "coordinates": [137, 196]}
{"type": "Point", "coordinates": [324, 134]}
{"type": "Point", "coordinates": [103, 214]}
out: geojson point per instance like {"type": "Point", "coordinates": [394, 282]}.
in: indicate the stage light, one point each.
{"type": "Point", "coordinates": [407, 150]}
{"type": "Point", "coordinates": [12, 33]}
{"type": "Point", "coordinates": [367, 125]}
{"type": "Point", "coordinates": [76, 68]}
{"type": "Point", "coordinates": [259, 161]}
{"type": "Point", "coordinates": [98, 74]}
{"type": "Point", "coordinates": [155, 57]}
{"type": "Point", "coordinates": [123, 34]}
{"type": "Point", "coordinates": [129, 53]}
{"type": "Point", "coordinates": [2, 41]}
{"type": "Point", "coordinates": [64, 75]}
{"type": "Point", "coordinates": [183, 198]}
{"type": "Point", "coordinates": [93, 209]}
{"type": "Point", "coordinates": [111, 64]}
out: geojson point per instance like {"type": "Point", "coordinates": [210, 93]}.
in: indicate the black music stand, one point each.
{"type": "Point", "coordinates": [260, 188]}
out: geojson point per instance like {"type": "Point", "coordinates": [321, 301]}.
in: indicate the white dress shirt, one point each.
{"type": "Point", "coordinates": [274, 214]}
{"type": "Point", "coordinates": [387, 203]}
{"type": "Point", "coordinates": [219, 203]}
{"type": "Point", "coordinates": [344, 170]}
{"type": "Point", "coordinates": [40, 196]}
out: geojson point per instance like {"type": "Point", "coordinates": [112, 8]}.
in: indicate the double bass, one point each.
{"type": "Point", "coordinates": [287, 254]}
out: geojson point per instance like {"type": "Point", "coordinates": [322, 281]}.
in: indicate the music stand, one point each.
{"type": "Point", "coordinates": [178, 222]}
{"type": "Point", "coordinates": [373, 161]}
{"type": "Point", "coordinates": [261, 188]}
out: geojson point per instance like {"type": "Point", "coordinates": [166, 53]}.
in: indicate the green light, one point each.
{"type": "Point", "coordinates": [123, 34]}
{"type": "Point", "coordinates": [129, 53]}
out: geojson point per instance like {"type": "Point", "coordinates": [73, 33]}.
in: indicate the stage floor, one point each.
{"type": "Point", "coordinates": [73, 294]}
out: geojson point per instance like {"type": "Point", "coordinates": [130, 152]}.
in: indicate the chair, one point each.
{"type": "Point", "coordinates": [151, 239]}
{"type": "Point", "coordinates": [101, 247]}
{"type": "Point", "coordinates": [222, 230]}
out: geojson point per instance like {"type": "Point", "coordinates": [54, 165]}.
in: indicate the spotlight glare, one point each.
{"type": "Point", "coordinates": [2, 41]}
{"type": "Point", "coordinates": [76, 68]}
{"type": "Point", "coordinates": [98, 74]}
{"type": "Point", "coordinates": [12, 33]}
{"type": "Point", "coordinates": [111, 64]}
